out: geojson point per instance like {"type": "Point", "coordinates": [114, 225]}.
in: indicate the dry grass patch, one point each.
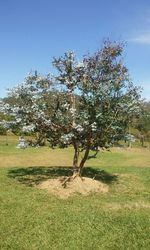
{"type": "Point", "coordinates": [83, 186]}
{"type": "Point", "coordinates": [131, 206]}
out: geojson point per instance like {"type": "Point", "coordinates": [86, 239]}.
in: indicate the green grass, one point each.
{"type": "Point", "coordinates": [33, 219]}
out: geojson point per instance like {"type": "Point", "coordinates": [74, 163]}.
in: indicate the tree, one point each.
{"type": "Point", "coordinates": [87, 104]}
{"type": "Point", "coordinates": [142, 124]}
{"type": "Point", "coordinates": [5, 119]}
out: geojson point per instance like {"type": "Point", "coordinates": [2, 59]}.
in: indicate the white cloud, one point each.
{"type": "Point", "coordinates": [142, 38]}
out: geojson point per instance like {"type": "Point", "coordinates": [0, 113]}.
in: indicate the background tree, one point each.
{"type": "Point", "coordinates": [6, 120]}
{"type": "Point", "coordinates": [143, 122]}
{"type": "Point", "coordinates": [87, 104]}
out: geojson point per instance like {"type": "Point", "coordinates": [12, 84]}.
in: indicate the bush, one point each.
{"type": "Point", "coordinates": [3, 131]}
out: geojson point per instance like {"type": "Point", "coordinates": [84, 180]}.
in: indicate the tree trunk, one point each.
{"type": "Point", "coordinates": [86, 154]}
{"type": "Point", "coordinates": [75, 158]}
{"type": "Point", "coordinates": [77, 169]}
{"type": "Point", "coordinates": [84, 159]}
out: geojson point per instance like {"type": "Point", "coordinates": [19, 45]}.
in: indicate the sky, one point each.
{"type": "Point", "coordinates": [32, 32]}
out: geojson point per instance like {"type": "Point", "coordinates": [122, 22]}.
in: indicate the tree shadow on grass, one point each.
{"type": "Point", "coordinates": [32, 176]}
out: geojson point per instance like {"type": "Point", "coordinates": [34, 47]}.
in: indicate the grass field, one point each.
{"type": "Point", "coordinates": [33, 219]}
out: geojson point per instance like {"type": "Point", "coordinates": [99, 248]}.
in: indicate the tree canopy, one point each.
{"type": "Point", "coordinates": [87, 104]}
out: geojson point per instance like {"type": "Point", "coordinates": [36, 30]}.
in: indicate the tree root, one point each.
{"type": "Point", "coordinates": [65, 180]}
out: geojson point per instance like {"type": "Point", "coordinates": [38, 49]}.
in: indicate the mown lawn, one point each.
{"type": "Point", "coordinates": [32, 219]}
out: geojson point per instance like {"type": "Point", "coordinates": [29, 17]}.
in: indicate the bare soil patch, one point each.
{"type": "Point", "coordinates": [83, 186]}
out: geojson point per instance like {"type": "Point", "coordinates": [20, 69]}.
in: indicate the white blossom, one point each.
{"type": "Point", "coordinates": [67, 138]}
{"type": "Point", "coordinates": [94, 126]}
{"type": "Point", "coordinates": [80, 65]}
{"type": "Point", "coordinates": [72, 110]}
{"type": "Point", "coordinates": [79, 128]}
{"type": "Point", "coordinates": [28, 128]}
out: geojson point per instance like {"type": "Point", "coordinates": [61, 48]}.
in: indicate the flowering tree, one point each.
{"type": "Point", "coordinates": [87, 104]}
{"type": "Point", "coordinates": [6, 121]}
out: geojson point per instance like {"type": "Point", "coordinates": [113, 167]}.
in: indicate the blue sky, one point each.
{"type": "Point", "coordinates": [33, 31]}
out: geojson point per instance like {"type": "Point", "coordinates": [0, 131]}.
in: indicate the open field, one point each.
{"type": "Point", "coordinates": [32, 219]}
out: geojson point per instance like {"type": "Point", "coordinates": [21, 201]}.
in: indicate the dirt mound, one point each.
{"type": "Point", "coordinates": [79, 185]}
